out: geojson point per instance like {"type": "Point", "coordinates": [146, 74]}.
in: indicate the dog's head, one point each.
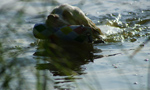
{"type": "Point", "coordinates": [69, 15]}
{"type": "Point", "coordinates": [54, 20]}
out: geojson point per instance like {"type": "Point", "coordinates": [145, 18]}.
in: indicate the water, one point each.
{"type": "Point", "coordinates": [28, 66]}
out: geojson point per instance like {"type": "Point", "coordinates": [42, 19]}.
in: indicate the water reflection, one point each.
{"type": "Point", "coordinates": [65, 59]}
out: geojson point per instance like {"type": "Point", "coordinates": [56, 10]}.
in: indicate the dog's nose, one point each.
{"type": "Point", "coordinates": [40, 31]}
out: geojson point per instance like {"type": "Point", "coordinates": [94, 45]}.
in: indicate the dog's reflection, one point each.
{"type": "Point", "coordinates": [65, 59]}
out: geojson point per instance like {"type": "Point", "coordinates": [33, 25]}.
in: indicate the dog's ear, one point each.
{"type": "Point", "coordinates": [51, 20]}
{"type": "Point", "coordinates": [53, 17]}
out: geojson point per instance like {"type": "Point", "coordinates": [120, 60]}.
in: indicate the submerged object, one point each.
{"type": "Point", "coordinates": [78, 33]}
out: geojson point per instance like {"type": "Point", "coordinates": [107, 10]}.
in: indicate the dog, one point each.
{"type": "Point", "coordinates": [66, 14]}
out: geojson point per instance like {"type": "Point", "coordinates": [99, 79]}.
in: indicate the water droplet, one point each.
{"type": "Point", "coordinates": [135, 83]}
{"type": "Point", "coordinates": [98, 12]}
{"type": "Point", "coordinates": [115, 67]}
{"type": "Point", "coordinates": [146, 59]}
{"type": "Point", "coordinates": [135, 74]}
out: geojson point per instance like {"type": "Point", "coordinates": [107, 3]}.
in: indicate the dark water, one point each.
{"type": "Point", "coordinates": [27, 64]}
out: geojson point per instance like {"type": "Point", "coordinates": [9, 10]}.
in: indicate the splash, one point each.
{"type": "Point", "coordinates": [129, 26]}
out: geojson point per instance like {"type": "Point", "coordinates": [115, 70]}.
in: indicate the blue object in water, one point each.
{"type": "Point", "coordinates": [77, 33]}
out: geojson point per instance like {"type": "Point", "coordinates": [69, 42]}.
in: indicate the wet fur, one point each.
{"type": "Point", "coordinates": [70, 15]}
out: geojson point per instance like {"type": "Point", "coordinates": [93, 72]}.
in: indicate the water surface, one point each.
{"type": "Point", "coordinates": [28, 66]}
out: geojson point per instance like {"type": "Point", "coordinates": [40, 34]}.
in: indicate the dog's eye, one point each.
{"type": "Point", "coordinates": [53, 17]}
{"type": "Point", "coordinates": [66, 14]}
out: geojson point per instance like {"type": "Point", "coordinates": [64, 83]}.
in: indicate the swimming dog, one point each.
{"type": "Point", "coordinates": [66, 14]}
{"type": "Point", "coordinates": [68, 23]}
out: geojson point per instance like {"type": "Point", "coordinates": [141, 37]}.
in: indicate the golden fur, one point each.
{"type": "Point", "coordinates": [70, 15]}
